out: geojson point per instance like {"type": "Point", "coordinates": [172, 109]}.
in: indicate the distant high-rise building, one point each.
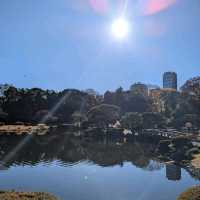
{"type": "Point", "coordinates": [170, 80]}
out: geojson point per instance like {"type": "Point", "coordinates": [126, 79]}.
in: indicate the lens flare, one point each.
{"type": "Point", "coordinates": [150, 7]}
{"type": "Point", "coordinates": [120, 28]}
{"type": "Point", "coordinates": [99, 6]}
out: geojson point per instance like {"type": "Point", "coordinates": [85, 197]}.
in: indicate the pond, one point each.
{"type": "Point", "coordinates": [79, 168]}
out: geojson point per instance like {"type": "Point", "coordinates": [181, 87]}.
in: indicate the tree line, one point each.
{"type": "Point", "coordinates": [134, 109]}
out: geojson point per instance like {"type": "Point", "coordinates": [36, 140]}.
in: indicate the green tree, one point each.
{"type": "Point", "coordinates": [132, 121]}
{"type": "Point", "coordinates": [153, 120]}
{"type": "Point", "coordinates": [103, 115]}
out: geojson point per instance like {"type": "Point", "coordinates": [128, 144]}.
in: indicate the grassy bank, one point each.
{"type": "Point", "coordinates": [196, 161]}
{"type": "Point", "coordinates": [25, 196]}
{"type": "Point", "coordinates": [191, 194]}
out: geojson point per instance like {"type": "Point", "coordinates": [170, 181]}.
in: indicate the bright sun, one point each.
{"type": "Point", "coordinates": [120, 28]}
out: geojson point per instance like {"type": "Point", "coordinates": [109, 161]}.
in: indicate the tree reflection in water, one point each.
{"type": "Point", "coordinates": [69, 150]}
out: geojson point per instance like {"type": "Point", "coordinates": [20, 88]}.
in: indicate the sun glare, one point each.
{"type": "Point", "coordinates": [120, 28]}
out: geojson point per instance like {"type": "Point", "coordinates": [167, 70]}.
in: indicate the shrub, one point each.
{"type": "Point", "coordinates": [132, 121]}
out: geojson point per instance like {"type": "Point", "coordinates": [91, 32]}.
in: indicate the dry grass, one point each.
{"type": "Point", "coordinates": [191, 194]}
{"type": "Point", "coordinates": [18, 129]}
{"type": "Point", "coordinates": [23, 129]}
{"type": "Point", "coordinates": [196, 161]}
{"type": "Point", "coordinates": [26, 196]}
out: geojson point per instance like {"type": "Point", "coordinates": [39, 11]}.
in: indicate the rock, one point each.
{"type": "Point", "coordinates": [42, 132]}
{"type": "Point", "coordinates": [127, 132]}
{"type": "Point", "coordinates": [40, 129]}
{"type": "Point", "coordinates": [42, 126]}
{"type": "Point", "coordinates": [188, 125]}
{"type": "Point", "coordinates": [117, 125]}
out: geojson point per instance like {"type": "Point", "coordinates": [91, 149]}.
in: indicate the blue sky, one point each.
{"type": "Point", "coordinates": [68, 43]}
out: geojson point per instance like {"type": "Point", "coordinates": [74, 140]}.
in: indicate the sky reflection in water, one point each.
{"type": "Point", "coordinates": [99, 169]}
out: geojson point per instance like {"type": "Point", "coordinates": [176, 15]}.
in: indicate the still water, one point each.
{"type": "Point", "coordinates": [86, 169]}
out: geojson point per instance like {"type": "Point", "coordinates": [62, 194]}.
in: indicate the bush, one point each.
{"type": "Point", "coordinates": [153, 120]}
{"type": "Point", "coordinates": [132, 121]}
{"type": "Point", "coordinates": [103, 115]}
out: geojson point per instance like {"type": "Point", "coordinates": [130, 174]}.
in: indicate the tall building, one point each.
{"type": "Point", "coordinates": [170, 80]}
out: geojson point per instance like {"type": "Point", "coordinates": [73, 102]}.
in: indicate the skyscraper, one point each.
{"type": "Point", "coordinates": [170, 80]}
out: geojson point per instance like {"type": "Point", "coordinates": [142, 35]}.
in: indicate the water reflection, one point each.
{"type": "Point", "coordinates": [69, 150]}
{"type": "Point", "coordinates": [101, 168]}
{"type": "Point", "coordinates": [173, 172]}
